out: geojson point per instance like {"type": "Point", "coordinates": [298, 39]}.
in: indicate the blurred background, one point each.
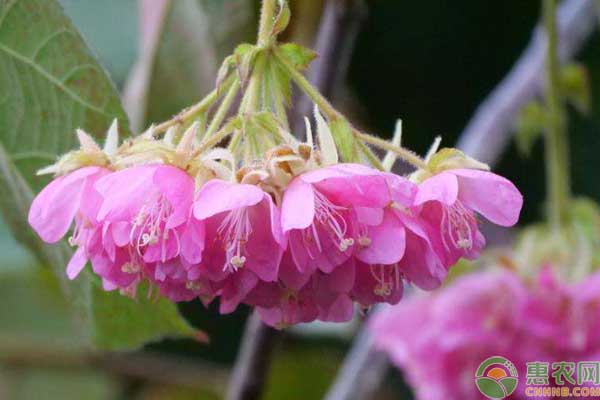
{"type": "Point", "coordinates": [430, 63]}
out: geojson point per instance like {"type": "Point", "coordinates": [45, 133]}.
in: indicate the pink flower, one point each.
{"type": "Point", "coordinates": [67, 198]}
{"type": "Point", "coordinates": [145, 216]}
{"type": "Point", "coordinates": [449, 201]}
{"type": "Point", "coordinates": [318, 213]}
{"type": "Point", "coordinates": [299, 297]}
{"type": "Point", "coordinates": [244, 242]}
{"type": "Point", "coordinates": [439, 340]}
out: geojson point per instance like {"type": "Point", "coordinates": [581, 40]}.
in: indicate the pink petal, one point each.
{"type": "Point", "coordinates": [369, 216]}
{"type": "Point", "coordinates": [338, 171]}
{"type": "Point", "coordinates": [120, 233]}
{"type": "Point", "coordinates": [178, 187]}
{"type": "Point", "coordinates": [340, 280]}
{"type": "Point", "coordinates": [290, 275]}
{"type": "Point", "coordinates": [298, 207]}
{"type": "Point", "coordinates": [125, 191]}
{"type": "Point", "coordinates": [491, 195]}
{"type": "Point", "coordinates": [387, 242]}
{"type": "Point", "coordinates": [340, 310]}
{"type": "Point", "coordinates": [52, 211]}
{"type": "Point", "coordinates": [442, 187]}
{"type": "Point", "coordinates": [76, 264]}
{"type": "Point", "coordinates": [217, 196]}
{"type": "Point", "coordinates": [237, 287]}
{"type": "Point", "coordinates": [192, 241]}
{"type": "Point", "coordinates": [402, 190]}
{"type": "Point", "coordinates": [263, 252]}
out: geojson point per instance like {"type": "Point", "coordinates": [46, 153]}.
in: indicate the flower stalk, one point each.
{"type": "Point", "coordinates": [332, 114]}
{"type": "Point", "coordinates": [557, 158]}
{"type": "Point", "coordinates": [194, 111]}
{"type": "Point", "coordinates": [267, 16]}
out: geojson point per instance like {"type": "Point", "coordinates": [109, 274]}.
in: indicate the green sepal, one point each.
{"type": "Point", "coordinates": [344, 139]}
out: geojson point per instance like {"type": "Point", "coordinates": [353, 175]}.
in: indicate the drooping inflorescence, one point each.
{"type": "Point", "coordinates": [269, 221]}
{"type": "Point", "coordinates": [295, 237]}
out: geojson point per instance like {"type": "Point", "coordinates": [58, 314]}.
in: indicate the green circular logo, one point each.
{"type": "Point", "coordinates": [496, 378]}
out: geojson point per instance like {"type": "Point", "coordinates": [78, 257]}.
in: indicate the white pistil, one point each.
{"type": "Point", "coordinates": [364, 241]}
{"type": "Point", "coordinates": [130, 268]}
{"type": "Point", "coordinates": [147, 226]}
{"type": "Point", "coordinates": [330, 217]}
{"type": "Point", "coordinates": [191, 285]}
{"type": "Point", "coordinates": [456, 227]}
{"type": "Point", "coordinates": [235, 230]}
{"type": "Point", "coordinates": [386, 282]}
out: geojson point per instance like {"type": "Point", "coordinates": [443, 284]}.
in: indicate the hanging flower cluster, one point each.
{"type": "Point", "coordinates": [486, 314]}
{"type": "Point", "coordinates": [289, 234]}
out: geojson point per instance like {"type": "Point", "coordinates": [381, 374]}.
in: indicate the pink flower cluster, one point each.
{"type": "Point", "coordinates": [341, 234]}
{"type": "Point", "coordinates": [439, 340]}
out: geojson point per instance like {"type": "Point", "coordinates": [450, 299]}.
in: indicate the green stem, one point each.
{"type": "Point", "coordinates": [278, 99]}
{"type": "Point", "coordinates": [331, 113]}
{"type": "Point", "coordinates": [267, 17]}
{"type": "Point", "coordinates": [217, 137]}
{"type": "Point", "coordinates": [321, 102]}
{"type": "Point", "coordinates": [252, 98]}
{"type": "Point", "coordinates": [369, 155]}
{"type": "Point", "coordinates": [556, 146]}
{"type": "Point", "coordinates": [403, 153]}
{"type": "Point", "coordinates": [193, 111]}
{"type": "Point", "coordinates": [224, 107]}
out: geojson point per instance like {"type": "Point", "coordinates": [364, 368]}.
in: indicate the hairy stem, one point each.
{"type": "Point", "coordinates": [332, 113]}
{"type": "Point", "coordinates": [223, 109]}
{"type": "Point", "coordinates": [303, 83]}
{"type": "Point", "coordinates": [267, 16]}
{"type": "Point", "coordinates": [557, 168]}
{"type": "Point", "coordinates": [193, 111]}
{"type": "Point", "coordinates": [369, 155]}
{"type": "Point", "coordinates": [403, 153]}
{"type": "Point", "coordinates": [213, 140]}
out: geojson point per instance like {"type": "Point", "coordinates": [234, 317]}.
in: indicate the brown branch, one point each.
{"type": "Point", "coordinates": [362, 372]}
{"type": "Point", "coordinates": [252, 364]}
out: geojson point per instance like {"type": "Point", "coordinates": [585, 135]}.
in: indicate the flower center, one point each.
{"type": "Point", "coordinates": [456, 226]}
{"type": "Point", "coordinates": [148, 226]}
{"type": "Point", "coordinates": [388, 278]}
{"type": "Point", "coordinates": [82, 226]}
{"type": "Point", "coordinates": [330, 217]}
{"type": "Point", "coordinates": [235, 230]}
{"type": "Point", "coordinates": [193, 286]}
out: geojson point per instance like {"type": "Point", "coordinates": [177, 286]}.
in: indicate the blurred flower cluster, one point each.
{"type": "Point", "coordinates": [489, 313]}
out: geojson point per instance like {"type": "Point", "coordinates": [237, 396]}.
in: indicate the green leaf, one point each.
{"type": "Point", "coordinates": [122, 322]}
{"type": "Point", "coordinates": [283, 18]}
{"type": "Point", "coordinates": [51, 85]}
{"type": "Point", "coordinates": [531, 122]}
{"type": "Point", "coordinates": [300, 57]}
{"type": "Point", "coordinates": [281, 81]}
{"type": "Point", "coordinates": [45, 75]}
{"type": "Point", "coordinates": [575, 84]}
{"type": "Point", "coordinates": [344, 139]}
